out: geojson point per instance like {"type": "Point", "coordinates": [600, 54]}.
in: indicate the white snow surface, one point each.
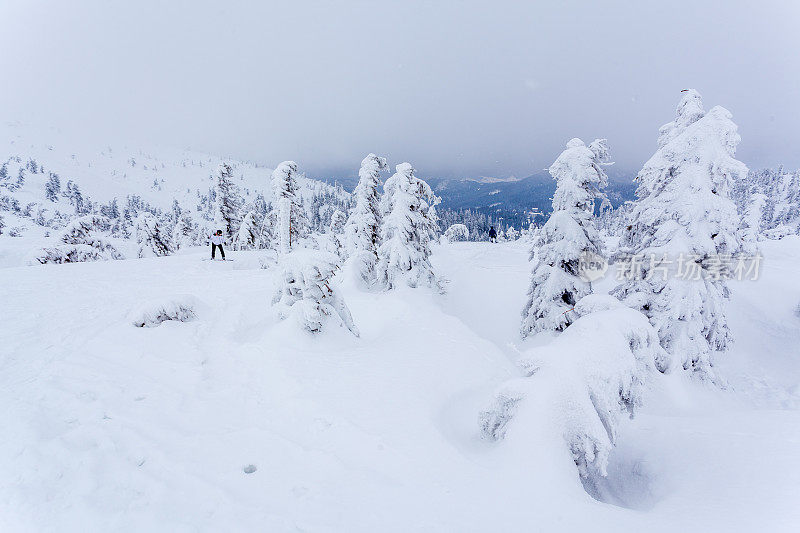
{"type": "Point", "coordinates": [238, 421]}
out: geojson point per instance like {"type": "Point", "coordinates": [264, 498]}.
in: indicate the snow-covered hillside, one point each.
{"type": "Point", "coordinates": [234, 420]}
{"type": "Point", "coordinates": [47, 178]}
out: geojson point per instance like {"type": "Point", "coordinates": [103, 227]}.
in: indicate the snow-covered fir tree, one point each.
{"type": "Point", "coordinates": [753, 217]}
{"type": "Point", "coordinates": [362, 231]}
{"type": "Point", "coordinates": [52, 187]}
{"type": "Point", "coordinates": [247, 237]}
{"type": "Point", "coordinates": [152, 237]}
{"type": "Point", "coordinates": [267, 231]}
{"type": "Point", "coordinates": [228, 202]}
{"type": "Point", "coordinates": [185, 231]}
{"type": "Point", "coordinates": [336, 229]}
{"type": "Point", "coordinates": [684, 217]}
{"type": "Point", "coordinates": [291, 220]}
{"type": "Point", "coordinates": [409, 223]}
{"type": "Point", "coordinates": [568, 236]}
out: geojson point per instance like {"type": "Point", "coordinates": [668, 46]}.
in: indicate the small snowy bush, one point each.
{"type": "Point", "coordinates": [79, 242]}
{"type": "Point", "coordinates": [305, 290]}
{"type": "Point", "coordinates": [151, 314]}
{"type": "Point", "coordinates": [457, 233]}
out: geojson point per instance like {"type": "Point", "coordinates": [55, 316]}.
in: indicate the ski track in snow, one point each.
{"type": "Point", "coordinates": [112, 427]}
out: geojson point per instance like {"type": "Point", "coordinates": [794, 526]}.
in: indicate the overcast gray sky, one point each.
{"type": "Point", "coordinates": [456, 88]}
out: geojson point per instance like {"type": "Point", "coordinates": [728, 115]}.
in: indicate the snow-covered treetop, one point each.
{"type": "Point", "coordinates": [371, 166]}
{"type": "Point", "coordinates": [404, 174]}
{"type": "Point", "coordinates": [690, 110]}
{"type": "Point", "coordinates": [689, 180]}
{"type": "Point", "coordinates": [283, 182]}
{"type": "Point", "coordinates": [579, 174]}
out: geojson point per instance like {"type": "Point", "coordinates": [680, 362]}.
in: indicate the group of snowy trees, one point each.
{"type": "Point", "coordinates": [248, 223]}
{"type": "Point", "coordinates": [683, 210]}
{"type": "Point", "coordinates": [607, 346]}
{"type": "Point", "coordinates": [385, 241]}
{"type": "Point", "coordinates": [770, 202]}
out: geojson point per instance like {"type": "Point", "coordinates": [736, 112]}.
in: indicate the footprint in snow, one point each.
{"type": "Point", "coordinates": [249, 469]}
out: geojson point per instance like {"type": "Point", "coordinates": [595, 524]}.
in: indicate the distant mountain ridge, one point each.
{"type": "Point", "coordinates": [516, 202]}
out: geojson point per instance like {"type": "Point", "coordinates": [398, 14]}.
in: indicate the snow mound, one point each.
{"type": "Point", "coordinates": [151, 314]}
{"type": "Point", "coordinates": [580, 384]}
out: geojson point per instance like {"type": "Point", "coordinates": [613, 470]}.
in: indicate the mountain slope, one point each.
{"type": "Point", "coordinates": [113, 427]}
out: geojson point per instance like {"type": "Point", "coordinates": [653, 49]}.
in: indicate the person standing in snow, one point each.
{"type": "Point", "coordinates": [216, 241]}
{"type": "Point", "coordinates": [492, 234]}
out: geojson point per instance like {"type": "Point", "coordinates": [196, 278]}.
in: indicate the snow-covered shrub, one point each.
{"type": "Point", "coordinates": [409, 223]}
{"type": "Point", "coordinates": [457, 233]}
{"type": "Point", "coordinates": [362, 231]}
{"type": "Point", "coordinates": [151, 314]}
{"type": "Point", "coordinates": [152, 237]}
{"type": "Point", "coordinates": [581, 385]}
{"type": "Point", "coordinates": [306, 291]}
{"type": "Point", "coordinates": [779, 232]}
{"type": "Point", "coordinates": [292, 223]}
{"type": "Point", "coordinates": [567, 236]}
{"type": "Point", "coordinates": [512, 234]}
{"type": "Point", "coordinates": [80, 242]}
{"type": "Point", "coordinates": [684, 209]}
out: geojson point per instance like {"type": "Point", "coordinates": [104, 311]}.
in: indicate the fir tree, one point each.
{"type": "Point", "coordinates": [292, 223]}
{"type": "Point", "coordinates": [228, 202]}
{"type": "Point", "coordinates": [53, 187]}
{"type": "Point", "coordinates": [409, 223]}
{"type": "Point", "coordinates": [248, 236]}
{"type": "Point", "coordinates": [362, 231]}
{"type": "Point", "coordinates": [336, 229]}
{"type": "Point", "coordinates": [684, 216]}
{"type": "Point", "coordinates": [152, 237]}
{"type": "Point", "coordinates": [568, 235]}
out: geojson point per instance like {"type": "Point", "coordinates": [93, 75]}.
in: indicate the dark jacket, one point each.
{"type": "Point", "coordinates": [492, 234]}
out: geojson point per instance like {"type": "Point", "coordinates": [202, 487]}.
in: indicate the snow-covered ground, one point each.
{"type": "Point", "coordinates": [236, 421]}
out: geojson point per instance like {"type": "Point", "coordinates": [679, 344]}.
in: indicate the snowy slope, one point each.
{"type": "Point", "coordinates": [152, 179]}
{"type": "Point", "coordinates": [113, 427]}
{"type": "Point", "coordinates": [158, 175]}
